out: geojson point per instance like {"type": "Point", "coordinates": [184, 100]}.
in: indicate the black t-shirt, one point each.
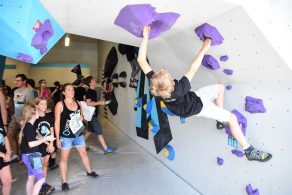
{"type": "Point", "coordinates": [91, 94]}
{"type": "Point", "coordinates": [28, 135]}
{"type": "Point", "coordinates": [80, 92]}
{"type": "Point", "coordinates": [2, 147]}
{"type": "Point", "coordinates": [182, 102]}
{"type": "Point", "coordinates": [57, 96]}
{"type": "Point", "coordinates": [2, 140]}
{"type": "Point", "coordinates": [44, 124]}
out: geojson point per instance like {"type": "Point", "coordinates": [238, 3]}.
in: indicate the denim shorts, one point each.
{"type": "Point", "coordinates": [94, 126]}
{"type": "Point", "coordinates": [68, 143]}
{"type": "Point", "coordinates": [37, 172]}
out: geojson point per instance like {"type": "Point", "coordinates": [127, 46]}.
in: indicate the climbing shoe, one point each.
{"type": "Point", "coordinates": [257, 155]}
{"type": "Point", "coordinates": [221, 125]}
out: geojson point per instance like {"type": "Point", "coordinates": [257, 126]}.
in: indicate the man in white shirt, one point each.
{"type": "Point", "coordinates": [22, 95]}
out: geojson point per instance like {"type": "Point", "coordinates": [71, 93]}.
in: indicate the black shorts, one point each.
{"type": "Point", "coordinates": [94, 126]}
{"type": "Point", "coordinates": [3, 164]}
{"type": "Point", "coordinates": [43, 150]}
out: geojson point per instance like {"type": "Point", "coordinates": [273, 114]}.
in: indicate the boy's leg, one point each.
{"type": "Point", "coordinates": [236, 131]}
{"type": "Point", "coordinates": [6, 179]}
{"type": "Point", "coordinates": [219, 101]}
{"type": "Point", "coordinates": [213, 111]}
{"type": "Point", "coordinates": [210, 94]}
{"type": "Point", "coordinates": [96, 128]}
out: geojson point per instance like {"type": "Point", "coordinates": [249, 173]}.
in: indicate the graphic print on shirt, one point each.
{"type": "Point", "coordinates": [1, 137]}
{"type": "Point", "coordinates": [19, 100]}
{"type": "Point", "coordinates": [74, 123]}
{"type": "Point", "coordinates": [44, 128]}
{"type": "Point", "coordinates": [19, 97]}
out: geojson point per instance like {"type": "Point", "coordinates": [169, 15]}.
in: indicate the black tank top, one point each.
{"type": "Point", "coordinates": [66, 116]}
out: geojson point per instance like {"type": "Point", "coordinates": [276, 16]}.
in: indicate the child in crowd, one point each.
{"type": "Point", "coordinates": [29, 146]}
{"type": "Point", "coordinates": [181, 101]}
{"type": "Point", "coordinates": [52, 161]}
{"type": "Point", "coordinates": [44, 126]}
{"type": "Point", "coordinates": [43, 91]}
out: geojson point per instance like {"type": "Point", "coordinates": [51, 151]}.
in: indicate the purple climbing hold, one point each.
{"type": "Point", "coordinates": [224, 58]}
{"type": "Point", "coordinates": [24, 57]}
{"type": "Point", "coordinates": [228, 71]}
{"type": "Point", "coordinates": [220, 161]}
{"type": "Point", "coordinates": [238, 153]}
{"type": "Point", "coordinates": [254, 105]}
{"type": "Point", "coordinates": [251, 191]}
{"type": "Point", "coordinates": [241, 121]}
{"type": "Point", "coordinates": [133, 18]}
{"type": "Point", "coordinates": [42, 36]}
{"type": "Point", "coordinates": [210, 62]}
{"type": "Point", "coordinates": [207, 31]}
{"type": "Point", "coordinates": [229, 87]}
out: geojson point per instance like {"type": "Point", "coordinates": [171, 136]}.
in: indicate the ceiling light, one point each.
{"type": "Point", "coordinates": [67, 40]}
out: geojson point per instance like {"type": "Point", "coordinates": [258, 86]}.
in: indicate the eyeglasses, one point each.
{"type": "Point", "coordinates": [17, 80]}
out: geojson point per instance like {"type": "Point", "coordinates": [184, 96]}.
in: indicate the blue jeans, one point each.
{"type": "Point", "coordinates": [68, 143]}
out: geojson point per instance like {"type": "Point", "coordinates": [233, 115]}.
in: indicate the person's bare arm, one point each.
{"type": "Point", "coordinates": [142, 56]}
{"type": "Point", "coordinates": [3, 109]}
{"type": "Point", "coordinates": [193, 68]}
{"type": "Point", "coordinates": [32, 144]}
{"type": "Point", "coordinates": [89, 102]}
{"type": "Point", "coordinates": [58, 110]}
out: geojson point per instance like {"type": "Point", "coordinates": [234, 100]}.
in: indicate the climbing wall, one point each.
{"type": "Point", "coordinates": [27, 30]}
{"type": "Point", "coordinates": [258, 72]}
{"type": "Point", "coordinates": [256, 40]}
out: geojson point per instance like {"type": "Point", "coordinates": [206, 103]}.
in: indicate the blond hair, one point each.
{"type": "Point", "coordinates": [162, 84]}
{"type": "Point", "coordinates": [27, 113]}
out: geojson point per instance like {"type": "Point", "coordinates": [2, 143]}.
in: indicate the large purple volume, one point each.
{"type": "Point", "coordinates": [254, 105]}
{"type": "Point", "coordinates": [133, 18]}
{"type": "Point", "coordinates": [24, 57]}
{"type": "Point", "coordinates": [210, 62]}
{"type": "Point", "coordinates": [42, 36]}
{"type": "Point", "coordinates": [207, 31]}
{"type": "Point", "coordinates": [241, 120]}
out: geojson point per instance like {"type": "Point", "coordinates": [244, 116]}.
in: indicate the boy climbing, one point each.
{"type": "Point", "coordinates": [185, 103]}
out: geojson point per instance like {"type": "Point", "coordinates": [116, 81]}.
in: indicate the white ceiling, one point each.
{"type": "Point", "coordinates": [95, 19]}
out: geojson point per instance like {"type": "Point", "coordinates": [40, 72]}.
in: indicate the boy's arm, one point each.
{"type": "Point", "coordinates": [198, 60]}
{"type": "Point", "coordinates": [142, 56]}
{"type": "Point", "coordinates": [89, 102]}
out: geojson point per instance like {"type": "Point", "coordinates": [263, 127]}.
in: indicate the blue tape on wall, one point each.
{"type": "Point", "coordinates": [2, 65]}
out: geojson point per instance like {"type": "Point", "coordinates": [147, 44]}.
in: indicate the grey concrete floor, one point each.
{"type": "Point", "coordinates": [131, 170]}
